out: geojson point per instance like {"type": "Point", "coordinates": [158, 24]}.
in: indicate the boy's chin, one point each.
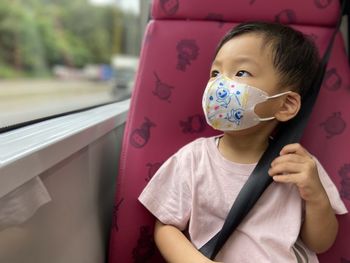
{"type": "Point", "coordinates": [248, 131]}
{"type": "Point", "coordinates": [259, 129]}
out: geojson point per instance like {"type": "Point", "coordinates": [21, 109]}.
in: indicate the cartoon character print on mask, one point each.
{"type": "Point", "coordinates": [169, 7]}
{"type": "Point", "coordinates": [344, 174]}
{"type": "Point", "coordinates": [187, 51]}
{"type": "Point", "coordinates": [286, 16]}
{"type": "Point", "coordinates": [216, 17]}
{"type": "Point", "coordinates": [322, 3]}
{"type": "Point", "coordinates": [334, 125]}
{"type": "Point", "coordinates": [115, 214]}
{"type": "Point", "coordinates": [332, 80]}
{"type": "Point", "coordinates": [140, 137]}
{"type": "Point", "coordinates": [145, 248]}
{"type": "Point", "coordinates": [152, 169]}
{"type": "Point", "coordinates": [162, 90]}
{"type": "Point", "coordinates": [235, 116]}
{"type": "Point", "coordinates": [224, 97]}
{"type": "Point", "coordinates": [193, 124]}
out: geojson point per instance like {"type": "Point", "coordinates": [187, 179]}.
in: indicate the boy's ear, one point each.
{"type": "Point", "coordinates": [290, 107]}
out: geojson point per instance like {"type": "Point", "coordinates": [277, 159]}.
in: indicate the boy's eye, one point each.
{"type": "Point", "coordinates": [214, 73]}
{"type": "Point", "coordinates": [243, 73]}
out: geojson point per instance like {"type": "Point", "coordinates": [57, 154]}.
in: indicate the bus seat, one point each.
{"type": "Point", "coordinates": [166, 113]}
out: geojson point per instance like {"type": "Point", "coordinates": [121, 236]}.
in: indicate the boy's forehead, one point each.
{"type": "Point", "coordinates": [245, 48]}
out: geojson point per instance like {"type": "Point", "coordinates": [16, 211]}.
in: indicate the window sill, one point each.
{"type": "Point", "coordinates": [29, 151]}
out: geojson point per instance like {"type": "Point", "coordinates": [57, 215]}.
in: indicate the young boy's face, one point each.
{"type": "Point", "coordinates": [246, 59]}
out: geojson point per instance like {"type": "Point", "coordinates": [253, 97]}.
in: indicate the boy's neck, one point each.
{"type": "Point", "coordinates": [244, 148]}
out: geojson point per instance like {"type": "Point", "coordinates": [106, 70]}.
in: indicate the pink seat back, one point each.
{"type": "Point", "coordinates": [166, 112]}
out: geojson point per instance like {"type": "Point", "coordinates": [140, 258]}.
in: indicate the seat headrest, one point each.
{"type": "Point", "coordinates": [312, 12]}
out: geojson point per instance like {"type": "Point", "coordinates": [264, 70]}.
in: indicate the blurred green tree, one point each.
{"type": "Point", "coordinates": [38, 34]}
{"type": "Point", "coordinates": [20, 44]}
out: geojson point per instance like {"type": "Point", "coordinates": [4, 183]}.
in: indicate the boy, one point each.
{"type": "Point", "coordinates": [259, 71]}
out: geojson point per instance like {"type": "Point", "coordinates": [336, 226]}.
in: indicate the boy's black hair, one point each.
{"type": "Point", "coordinates": [295, 56]}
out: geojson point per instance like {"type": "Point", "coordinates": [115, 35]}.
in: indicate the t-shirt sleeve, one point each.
{"type": "Point", "coordinates": [168, 195]}
{"type": "Point", "coordinates": [332, 191]}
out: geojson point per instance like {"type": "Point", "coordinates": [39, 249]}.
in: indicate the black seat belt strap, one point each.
{"type": "Point", "coordinates": [259, 180]}
{"type": "Point", "coordinates": [346, 11]}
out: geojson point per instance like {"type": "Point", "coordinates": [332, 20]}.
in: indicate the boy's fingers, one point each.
{"type": "Point", "coordinates": [294, 148]}
{"type": "Point", "coordinates": [285, 168]}
{"type": "Point", "coordinates": [290, 178]}
{"type": "Point", "coordinates": [293, 158]}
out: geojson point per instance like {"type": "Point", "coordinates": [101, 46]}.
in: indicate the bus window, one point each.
{"type": "Point", "coordinates": [63, 56]}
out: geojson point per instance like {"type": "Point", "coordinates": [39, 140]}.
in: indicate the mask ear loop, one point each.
{"type": "Point", "coordinates": [279, 95]}
{"type": "Point", "coordinates": [266, 119]}
{"type": "Point", "coordinates": [272, 97]}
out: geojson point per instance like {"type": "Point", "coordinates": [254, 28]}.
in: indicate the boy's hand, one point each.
{"type": "Point", "coordinates": [296, 165]}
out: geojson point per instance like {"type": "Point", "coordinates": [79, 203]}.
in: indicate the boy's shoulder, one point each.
{"type": "Point", "coordinates": [197, 146]}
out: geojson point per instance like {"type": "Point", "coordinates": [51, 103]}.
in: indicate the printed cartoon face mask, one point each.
{"type": "Point", "coordinates": [229, 105]}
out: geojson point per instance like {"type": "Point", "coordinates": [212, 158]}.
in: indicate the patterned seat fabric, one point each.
{"type": "Point", "coordinates": [166, 113]}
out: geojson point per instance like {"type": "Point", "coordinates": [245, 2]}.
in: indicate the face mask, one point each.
{"type": "Point", "coordinates": [229, 105]}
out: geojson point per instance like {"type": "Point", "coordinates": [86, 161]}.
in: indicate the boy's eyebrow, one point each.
{"type": "Point", "coordinates": [246, 60]}
{"type": "Point", "coordinates": [238, 60]}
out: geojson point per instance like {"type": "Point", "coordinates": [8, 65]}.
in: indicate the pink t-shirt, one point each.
{"type": "Point", "coordinates": [194, 191]}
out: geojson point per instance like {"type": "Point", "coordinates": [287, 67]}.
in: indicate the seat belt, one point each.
{"type": "Point", "coordinates": [259, 180]}
{"type": "Point", "coordinates": [346, 11]}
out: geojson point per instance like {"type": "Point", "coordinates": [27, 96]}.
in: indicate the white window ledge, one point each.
{"type": "Point", "coordinates": [29, 151]}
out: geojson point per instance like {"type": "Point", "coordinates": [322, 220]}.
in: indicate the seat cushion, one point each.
{"type": "Point", "coordinates": [312, 12]}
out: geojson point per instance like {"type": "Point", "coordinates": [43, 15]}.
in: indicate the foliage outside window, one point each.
{"type": "Point", "coordinates": [71, 40]}
{"type": "Point", "coordinates": [36, 35]}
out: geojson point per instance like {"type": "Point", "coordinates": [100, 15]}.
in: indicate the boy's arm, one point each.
{"type": "Point", "coordinates": [175, 247]}
{"type": "Point", "coordinates": [320, 226]}
{"type": "Point", "coordinates": [295, 165]}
